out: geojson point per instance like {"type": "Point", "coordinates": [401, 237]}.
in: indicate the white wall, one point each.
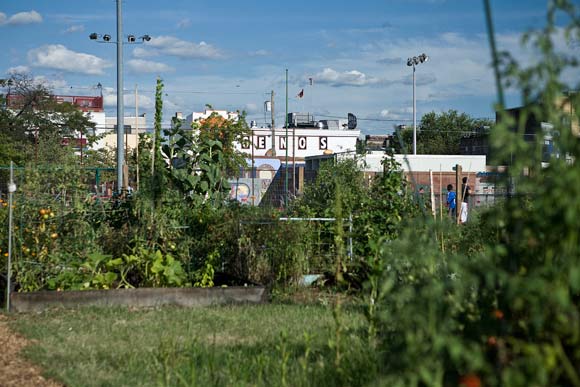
{"type": "Point", "coordinates": [201, 115]}
{"type": "Point", "coordinates": [424, 163]}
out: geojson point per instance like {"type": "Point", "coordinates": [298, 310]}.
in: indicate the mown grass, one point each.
{"type": "Point", "coordinates": [249, 345]}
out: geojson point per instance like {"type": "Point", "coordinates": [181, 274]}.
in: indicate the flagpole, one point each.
{"type": "Point", "coordinates": [293, 160]}
{"type": "Point", "coordinates": [310, 97]}
{"type": "Point", "coordinates": [286, 165]}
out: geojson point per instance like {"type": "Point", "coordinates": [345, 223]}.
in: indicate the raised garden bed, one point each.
{"type": "Point", "coordinates": [140, 298]}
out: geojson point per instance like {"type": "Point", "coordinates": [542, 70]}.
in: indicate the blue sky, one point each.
{"type": "Point", "coordinates": [231, 54]}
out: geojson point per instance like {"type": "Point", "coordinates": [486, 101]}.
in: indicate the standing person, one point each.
{"type": "Point", "coordinates": [451, 201]}
{"type": "Point", "coordinates": [466, 191]}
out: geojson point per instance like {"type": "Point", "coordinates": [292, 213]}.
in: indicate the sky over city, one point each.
{"type": "Point", "coordinates": [347, 56]}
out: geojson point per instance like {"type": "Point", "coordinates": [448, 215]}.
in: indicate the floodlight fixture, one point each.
{"type": "Point", "coordinates": [93, 36]}
{"type": "Point", "coordinates": [107, 38]}
{"type": "Point", "coordinates": [131, 38]}
{"type": "Point", "coordinates": [412, 62]}
{"type": "Point", "coordinates": [145, 38]}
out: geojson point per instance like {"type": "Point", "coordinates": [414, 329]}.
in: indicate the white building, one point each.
{"type": "Point", "coordinates": [107, 126]}
{"type": "Point", "coordinates": [304, 137]}
{"type": "Point", "coordinates": [425, 163]}
{"type": "Point", "coordinates": [196, 116]}
{"type": "Point", "coordinates": [297, 143]}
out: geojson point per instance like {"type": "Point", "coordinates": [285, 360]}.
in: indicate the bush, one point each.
{"type": "Point", "coordinates": [501, 307]}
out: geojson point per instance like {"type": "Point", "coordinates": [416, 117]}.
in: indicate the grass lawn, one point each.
{"type": "Point", "coordinates": [253, 345]}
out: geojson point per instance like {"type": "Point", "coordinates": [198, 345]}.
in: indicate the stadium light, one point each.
{"type": "Point", "coordinates": [412, 62]}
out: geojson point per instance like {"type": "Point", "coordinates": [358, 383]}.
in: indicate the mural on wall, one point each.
{"type": "Point", "coordinates": [240, 192]}
{"type": "Point", "coordinates": [241, 188]}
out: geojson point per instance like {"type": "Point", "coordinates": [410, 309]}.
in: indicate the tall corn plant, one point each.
{"type": "Point", "coordinates": [157, 162]}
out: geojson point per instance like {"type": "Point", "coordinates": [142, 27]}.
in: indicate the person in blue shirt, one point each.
{"type": "Point", "coordinates": [451, 201]}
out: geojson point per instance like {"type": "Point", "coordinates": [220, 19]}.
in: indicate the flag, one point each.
{"type": "Point", "coordinates": [301, 94]}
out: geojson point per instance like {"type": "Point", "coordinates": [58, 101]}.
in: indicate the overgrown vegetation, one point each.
{"type": "Point", "coordinates": [495, 302]}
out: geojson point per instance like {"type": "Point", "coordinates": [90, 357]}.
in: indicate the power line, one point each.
{"type": "Point", "coordinates": [166, 91]}
{"type": "Point", "coordinates": [366, 119]}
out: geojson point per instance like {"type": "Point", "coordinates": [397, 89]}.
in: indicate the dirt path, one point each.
{"type": "Point", "coordinates": [14, 370]}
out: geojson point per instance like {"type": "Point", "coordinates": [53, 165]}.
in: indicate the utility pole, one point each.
{"type": "Point", "coordinates": [120, 107]}
{"type": "Point", "coordinates": [286, 165]}
{"type": "Point", "coordinates": [273, 124]}
{"type": "Point", "coordinates": [458, 193]}
{"type": "Point", "coordinates": [414, 116]}
{"type": "Point", "coordinates": [294, 161]}
{"type": "Point", "coordinates": [137, 134]}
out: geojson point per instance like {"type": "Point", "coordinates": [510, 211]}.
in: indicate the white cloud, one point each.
{"type": "Point", "coordinates": [51, 83]}
{"type": "Point", "coordinates": [110, 100]}
{"type": "Point", "coordinates": [18, 70]}
{"type": "Point", "coordinates": [346, 78]}
{"type": "Point", "coordinates": [75, 28]}
{"type": "Point", "coordinates": [140, 52]}
{"type": "Point", "coordinates": [57, 56]}
{"type": "Point", "coordinates": [20, 18]}
{"type": "Point", "coordinates": [146, 66]}
{"type": "Point", "coordinates": [169, 45]}
{"type": "Point", "coordinates": [396, 114]}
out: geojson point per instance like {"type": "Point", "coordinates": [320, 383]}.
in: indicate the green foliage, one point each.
{"type": "Point", "coordinates": [154, 268]}
{"type": "Point", "coordinates": [440, 134]}
{"type": "Point", "coordinates": [378, 207]}
{"type": "Point", "coordinates": [319, 197]}
{"type": "Point", "coordinates": [501, 305]}
{"type": "Point", "coordinates": [227, 132]}
{"type": "Point", "coordinates": [158, 182]}
{"type": "Point", "coordinates": [274, 252]}
{"type": "Point", "coordinates": [204, 277]}
{"type": "Point", "coordinates": [33, 129]}
{"type": "Point", "coordinates": [420, 306]}
{"type": "Point", "coordinates": [198, 169]}
{"type": "Point", "coordinates": [385, 207]}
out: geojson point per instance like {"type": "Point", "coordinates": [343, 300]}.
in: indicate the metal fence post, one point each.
{"type": "Point", "coordinates": [350, 236]}
{"type": "Point", "coordinates": [11, 190]}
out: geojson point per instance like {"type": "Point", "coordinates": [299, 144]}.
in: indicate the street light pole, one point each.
{"type": "Point", "coordinates": [414, 115]}
{"type": "Point", "coordinates": [412, 62]}
{"type": "Point", "coordinates": [120, 106]}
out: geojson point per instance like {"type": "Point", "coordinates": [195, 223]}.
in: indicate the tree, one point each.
{"type": "Point", "coordinates": [33, 123]}
{"type": "Point", "coordinates": [228, 132]}
{"type": "Point", "coordinates": [439, 133]}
